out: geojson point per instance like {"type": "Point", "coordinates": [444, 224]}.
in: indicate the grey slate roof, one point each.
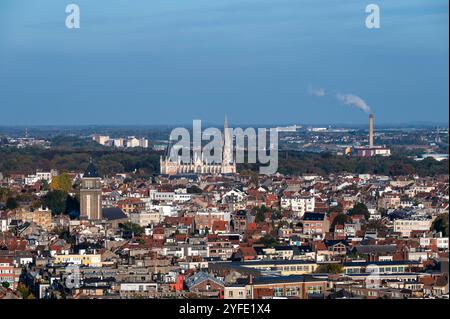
{"type": "Point", "coordinates": [200, 277]}
{"type": "Point", "coordinates": [91, 171]}
{"type": "Point", "coordinates": [113, 213]}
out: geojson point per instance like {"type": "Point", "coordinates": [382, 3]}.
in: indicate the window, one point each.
{"type": "Point", "coordinates": [278, 292]}
{"type": "Point", "coordinates": [314, 290]}
{"type": "Point", "coordinates": [292, 291]}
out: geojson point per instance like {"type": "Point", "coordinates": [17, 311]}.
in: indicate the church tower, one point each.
{"type": "Point", "coordinates": [91, 194]}
{"type": "Point", "coordinates": [200, 165]}
{"type": "Point", "coordinates": [228, 164]}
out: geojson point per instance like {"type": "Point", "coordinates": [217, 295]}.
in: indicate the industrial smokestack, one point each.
{"type": "Point", "coordinates": [371, 130]}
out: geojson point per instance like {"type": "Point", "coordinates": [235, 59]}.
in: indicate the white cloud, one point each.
{"type": "Point", "coordinates": [353, 100]}
{"type": "Point", "coordinates": [316, 91]}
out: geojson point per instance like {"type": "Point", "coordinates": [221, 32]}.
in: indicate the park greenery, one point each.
{"type": "Point", "coordinates": [145, 162]}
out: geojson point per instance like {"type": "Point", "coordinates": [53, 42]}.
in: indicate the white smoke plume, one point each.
{"type": "Point", "coordinates": [353, 100]}
{"type": "Point", "coordinates": [316, 91]}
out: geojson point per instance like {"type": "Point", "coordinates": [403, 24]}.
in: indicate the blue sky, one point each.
{"type": "Point", "coordinates": [171, 61]}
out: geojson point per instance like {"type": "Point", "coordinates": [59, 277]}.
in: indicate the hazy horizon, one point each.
{"type": "Point", "coordinates": [416, 124]}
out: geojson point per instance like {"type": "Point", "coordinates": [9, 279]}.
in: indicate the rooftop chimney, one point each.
{"type": "Point", "coordinates": [371, 130]}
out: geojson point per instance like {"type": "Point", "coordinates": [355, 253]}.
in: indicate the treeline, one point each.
{"type": "Point", "coordinates": [145, 162]}
{"type": "Point", "coordinates": [108, 161]}
{"type": "Point", "coordinates": [296, 163]}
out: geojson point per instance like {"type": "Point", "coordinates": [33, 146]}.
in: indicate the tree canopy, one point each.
{"type": "Point", "coordinates": [268, 241]}
{"type": "Point", "coordinates": [298, 163]}
{"type": "Point", "coordinates": [340, 219]}
{"type": "Point", "coordinates": [440, 224]}
{"type": "Point", "coordinates": [11, 203]}
{"type": "Point", "coordinates": [133, 228]}
{"type": "Point", "coordinates": [56, 201]}
{"type": "Point", "coordinates": [330, 269]}
{"type": "Point", "coordinates": [260, 213]}
{"type": "Point", "coordinates": [61, 182]}
{"type": "Point", "coordinates": [359, 209]}
{"type": "Point", "coordinates": [74, 157]}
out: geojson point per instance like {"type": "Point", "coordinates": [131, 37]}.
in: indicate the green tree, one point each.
{"type": "Point", "coordinates": [56, 201]}
{"type": "Point", "coordinates": [440, 224]}
{"type": "Point", "coordinates": [133, 228]}
{"type": "Point", "coordinates": [261, 214]}
{"type": "Point", "coordinates": [268, 241]}
{"type": "Point", "coordinates": [194, 190]}
{"type": "Point", "coordinates": [330, 269]}
{"type": "Point", "coordinates": [64, 233]}
{"type": "Point", "coordinates": [340, 219]}
{"type": "Point", "coordinates": [11, 203]}
{"type": "Point", "coordinates": [359, 209]}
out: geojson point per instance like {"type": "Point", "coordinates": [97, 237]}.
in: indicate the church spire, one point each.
{"type": "Point", "coordinates": [226, 158]}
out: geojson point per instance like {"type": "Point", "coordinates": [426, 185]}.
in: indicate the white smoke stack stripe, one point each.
{"type": "Point", "coordinates": [371, 130]}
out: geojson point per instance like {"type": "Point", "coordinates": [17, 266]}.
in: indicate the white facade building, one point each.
{"type": "Point", "coordinates": [176, 196]}
{"type": "Point", "coordinates": [406, 226]}
{"type": "Point", "coordinates": [101, 139]}
{"type": "Point", "coordinates": [145, 218]}
{"type": "Point", "coordinates": [298, 204]}
{"type": "Point", "coordinates": [132, 142]}
{"type": "Point", "coordinates": [143, 142]}
{"type": "Point", "coordinates": [39, 176]}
